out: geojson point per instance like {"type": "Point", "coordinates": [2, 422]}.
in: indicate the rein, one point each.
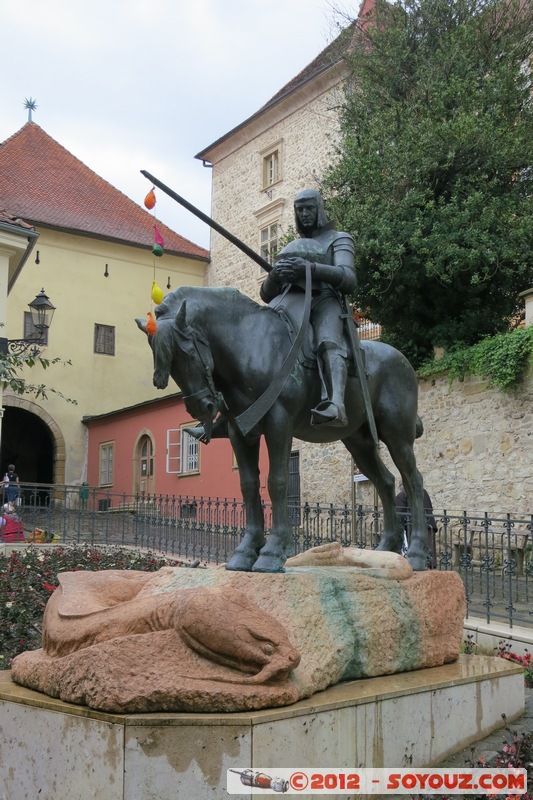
{"type": "Point", "coordinates": [202, 349]}
{"type": "Point", "coordinates": [254, 413]}
{"type": "Point", "coordinates": [249, 418]}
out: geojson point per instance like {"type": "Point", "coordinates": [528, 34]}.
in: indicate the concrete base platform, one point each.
{"type": "Point", "coordinates": [52, 749]}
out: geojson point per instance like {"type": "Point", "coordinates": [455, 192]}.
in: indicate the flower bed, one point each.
{"type": "Point", "coordinates": [29, 576]}
{"type": "Point", "coordinates": [505, 651]}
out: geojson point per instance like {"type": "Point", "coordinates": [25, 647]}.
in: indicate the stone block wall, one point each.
{"type": "Point", "coordinates": [475, 454]}
{"type": "Point", "coordinates": [306, 133]}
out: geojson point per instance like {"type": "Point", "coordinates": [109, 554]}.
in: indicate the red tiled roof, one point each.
{"type": "Point", "coordinates": [44, 183]}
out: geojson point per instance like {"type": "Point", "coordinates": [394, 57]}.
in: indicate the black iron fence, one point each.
{"type": "Point", "coordinates": [491, 552]}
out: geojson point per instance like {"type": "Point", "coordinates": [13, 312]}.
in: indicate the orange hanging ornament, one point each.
{"type": "Point", "coordinates": [149, 200]}
{"type": "Point", "coordinates": [151, 324]}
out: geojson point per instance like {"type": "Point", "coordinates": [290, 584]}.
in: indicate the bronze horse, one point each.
{"type": "Point", "coordinates": [223, 350]}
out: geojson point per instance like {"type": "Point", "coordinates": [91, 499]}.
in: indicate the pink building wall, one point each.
{"type": "Point", "coordinates": [217, 475]}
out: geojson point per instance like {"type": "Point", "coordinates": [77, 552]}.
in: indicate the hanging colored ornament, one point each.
{"type": "Point", "coordinates": [157, 293]}
{"type": "Point", "coordinates": [159, 242]}
{"type": "Point", "coordinates": [151, 324]}
{"type": "Point", "coordinates": [149, 200]}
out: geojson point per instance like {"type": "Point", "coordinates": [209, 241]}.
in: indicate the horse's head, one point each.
{"type": "Point", "coordinates": [182, 353]}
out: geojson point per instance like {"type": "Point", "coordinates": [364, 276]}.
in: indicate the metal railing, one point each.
{"type": "Point", "coordinates": [491, 552]}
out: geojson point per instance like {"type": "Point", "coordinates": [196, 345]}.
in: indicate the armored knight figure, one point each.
{"type": "Point", "coordinates": [331, 254]}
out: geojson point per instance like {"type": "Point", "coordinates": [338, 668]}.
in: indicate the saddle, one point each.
{"type": "Point", "coordinates": [289, 307]}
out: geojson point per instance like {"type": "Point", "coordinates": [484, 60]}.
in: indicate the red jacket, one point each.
{"type": "Point", "coordinates": [12, 530]}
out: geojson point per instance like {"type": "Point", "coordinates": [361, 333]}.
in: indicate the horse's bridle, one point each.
{"type": "Point", "coordinates": [202, 350]}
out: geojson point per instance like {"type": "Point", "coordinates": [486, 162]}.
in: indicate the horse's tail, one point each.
{"type": "Point", "coordinates": [419, 427]}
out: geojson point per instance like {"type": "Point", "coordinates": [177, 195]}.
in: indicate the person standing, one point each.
{"type": "Point", "coordinates": [11, 484]}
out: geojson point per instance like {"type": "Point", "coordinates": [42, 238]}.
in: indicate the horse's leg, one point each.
{"type": "Point", "coordinates": [365, 453]}
{"type": "Point", "coordinates": [402, 453]}
{"type": "Point", "coordinates": [247, 455]}
{"type": "Point", "coordinates": [278, 437]}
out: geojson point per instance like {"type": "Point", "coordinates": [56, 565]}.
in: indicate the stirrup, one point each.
{"type": "Point", "coordinates": [328, 414]}
{"type": "Point", "coordinates": [198, 432]}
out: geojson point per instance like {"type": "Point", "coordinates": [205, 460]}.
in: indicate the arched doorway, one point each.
{"type": "Point", "coordinates": [144, 465]}
{"type": "Point", "coordinates": [27, 442]}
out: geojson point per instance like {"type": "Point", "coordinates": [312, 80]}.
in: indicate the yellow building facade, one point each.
{"type": "Point", "coordinates": [97, 269]}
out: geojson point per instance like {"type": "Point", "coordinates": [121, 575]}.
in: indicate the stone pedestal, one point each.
{"type": "Point", "coordinates": [53, 749]}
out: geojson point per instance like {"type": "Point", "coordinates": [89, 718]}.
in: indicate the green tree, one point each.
{"type": "Point", "coordinates": [12, 374]}
{"type": "Point", "coordinates": [434, 176]}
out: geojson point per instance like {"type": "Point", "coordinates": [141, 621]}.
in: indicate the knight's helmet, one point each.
{"type": "Point", "coordinates": [311, 194]}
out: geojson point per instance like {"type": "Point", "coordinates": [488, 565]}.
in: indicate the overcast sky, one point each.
{"type": "Point", "coordinates": [127, 85]}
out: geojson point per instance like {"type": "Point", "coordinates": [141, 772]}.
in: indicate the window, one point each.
{"type": "Point", "coordinates": [147, 458]}
{"type": "Point", "coordinates": [107, 452]}
{"type": "Point", "coordinates": [269, 231]}
{"type": "Point", "coordinates": [31, 332]}
{"type": "Point", "coordinates": [269, 242]}
{"type": "Point", "coordinates": [183, 452]}
{"type": "Point", "coordinates": [271, 165]}
{"type": "Point", "coordinates": [271, 169]}
{"type": "Point", "coordinates": [104, 339]}
{"type": "Point", "coordinates": [293, 493]}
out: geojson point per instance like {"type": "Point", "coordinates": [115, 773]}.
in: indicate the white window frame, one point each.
{"type": "Point", "coordinates": [267, 217]}
{"type": "Point", "coordinates": [271, 159]}
{"type": "Point", "coordinates": [183, 452]}
{"type": "Point", "coordinates": [268, 242]}
{"type": "Point", "coordinates": [106, 463]}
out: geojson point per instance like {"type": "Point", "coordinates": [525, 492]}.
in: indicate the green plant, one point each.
{"type": "Point", "coordinates": [504, 650]}
{"type": "Point", "coordinates": [502, 359]}
{"type": "Point", "coordinates": [12, 367]}
{"type": "Point", "coordinates": [469, 645]}
{"type": "Point", "coordinates": [515, 753]}
{"type": "Point", "coordinates": [433, 176]}
{"type": "Point", "coordinates": [29, 576]}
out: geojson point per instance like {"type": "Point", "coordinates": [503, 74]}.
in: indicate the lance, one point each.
{"type": "Point", "coordinates": [211, 222]}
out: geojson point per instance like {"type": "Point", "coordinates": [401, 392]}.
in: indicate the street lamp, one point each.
{"type": "Point", "coordinates": [42, 311]}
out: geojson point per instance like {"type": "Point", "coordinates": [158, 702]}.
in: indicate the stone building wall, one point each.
{"type": "Point", "coordinates": [305, 128]}
{"type": "Point", "coordinates": [475, 454]}
{"type": "Point", "coordinates": [476, 451]}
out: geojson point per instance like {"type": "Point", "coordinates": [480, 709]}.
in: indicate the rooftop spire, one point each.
{"type": "Point", "coordinates": [31, 105]}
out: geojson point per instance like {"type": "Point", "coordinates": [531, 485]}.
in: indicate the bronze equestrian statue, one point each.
{"type": "Point", "coordinates": [269, 386]}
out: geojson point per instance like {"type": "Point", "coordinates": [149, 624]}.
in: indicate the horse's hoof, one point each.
{"type": "Point", "coordinates": [418, 563]}
{"type": "Point", "coordinates": [266, 563]}
{"type": "Point", "coordinates": [240, 562]}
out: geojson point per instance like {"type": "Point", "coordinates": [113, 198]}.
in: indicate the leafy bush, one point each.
{"type": "Point", "coordinates": [526, 661]}
{"type": "Point", "coordinates": [502, 359]}
{"type": "Point", "coordinates": [29, 576]}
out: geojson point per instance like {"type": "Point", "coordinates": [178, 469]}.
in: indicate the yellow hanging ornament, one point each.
{"type": "Point", "coordinates": [157, 293]}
